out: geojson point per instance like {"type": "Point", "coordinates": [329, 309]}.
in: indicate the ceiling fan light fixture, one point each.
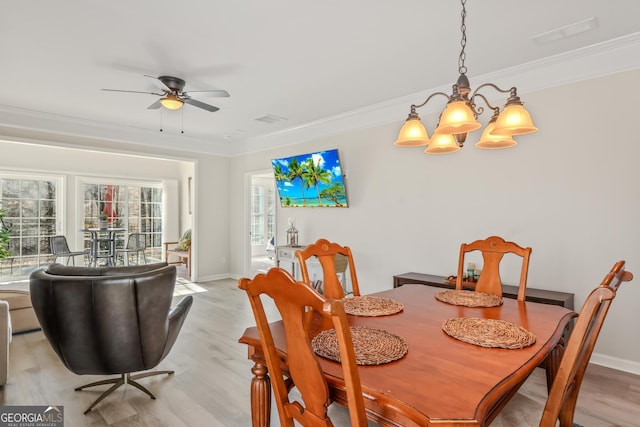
{"type": "Point", "coordinates": [171, 102]}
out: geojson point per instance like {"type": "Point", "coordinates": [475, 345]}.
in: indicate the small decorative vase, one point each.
{"type": "Point", "coordinates": [103, 224]}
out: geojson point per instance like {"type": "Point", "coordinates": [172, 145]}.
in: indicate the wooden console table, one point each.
{"type": "Point", "coordinates": [563, 299]}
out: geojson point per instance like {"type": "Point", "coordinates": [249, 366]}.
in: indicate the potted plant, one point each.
{"type": "Point", "coordinates": [103, 220]}
{"type": "Point", "coordinates": [4, 236]}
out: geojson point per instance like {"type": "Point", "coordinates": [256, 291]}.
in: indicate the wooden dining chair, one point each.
{"type": "Point", "coordinates": [563, 396]}
{"type": "Point", "coordinates": [326, 253]}
{"type": "Point", "coordinates": [561, 403]}
{"type": "Point", "coordinates": [493, 250]}
{"type": "Point", "coordinates": [294, 300]}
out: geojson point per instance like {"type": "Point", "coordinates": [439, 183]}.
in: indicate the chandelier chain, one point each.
{"type": "Point", "coordinates": [462, 69]}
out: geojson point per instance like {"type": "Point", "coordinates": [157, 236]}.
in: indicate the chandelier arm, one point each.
{"type": "Point", "coordinates": [413, 106]}
{"type": "Point", "coordinates": [496, 110]}
{"type": "Point", "coordinates": [510, 90]}
{"type": "Point", "coordinates": [479, 110]}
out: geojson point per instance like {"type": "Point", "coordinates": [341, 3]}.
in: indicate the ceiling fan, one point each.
{"type": "Point", "coordinates": [173, 96]}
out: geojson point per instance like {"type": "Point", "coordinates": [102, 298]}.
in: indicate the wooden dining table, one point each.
{"type": "Point", "coordinates": [441, 381]}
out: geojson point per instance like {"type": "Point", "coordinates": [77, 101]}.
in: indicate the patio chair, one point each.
{"type": "Point", "coordinates": [180, 249]}
{"type": "Point", "coordinates": [60, 249]}
{"type": "Point", "coordinates": [136, 245]}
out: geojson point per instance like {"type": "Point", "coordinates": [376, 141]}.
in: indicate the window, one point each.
{"type": "Point", "coordinates": [136, 208]}
{"type": "Point", "coordinates": [32, 205]}
{"type": "Point", "coordinates": [271, 211]}
{"type": "Point", "coordinates": [263, 211]}
{"type": "Point", "coordinates": [257, 215]}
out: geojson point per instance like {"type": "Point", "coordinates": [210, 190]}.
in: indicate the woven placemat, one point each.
{"type": "Point", "coordinates": [489, 332]}
{"type": "Point", "coordinates": [372, 346]}
{"type": "Point", "coordinates": [371, 306]}
{"type": "Point", "coordinates": [469, 298]}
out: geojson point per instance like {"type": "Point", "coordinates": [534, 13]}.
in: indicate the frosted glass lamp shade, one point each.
{"type": "Point", "coordinates": [442, 144]}
{"type": "Point", "coordinates": [171, 102]}
{"type": "Point", "coordinates": [457, 118]}
{"type": "Point", "coordinates": [514, 120]}
{"type": "Point", "coordinates": [412, 134]}
{"type": "Point", "coordinates": [490, 141]}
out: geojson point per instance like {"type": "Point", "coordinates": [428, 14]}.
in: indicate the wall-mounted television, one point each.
{"type": "Point", "coordinates": [310, 180]}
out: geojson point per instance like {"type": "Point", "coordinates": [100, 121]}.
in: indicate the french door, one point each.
{"type": "Point", "coordinates": [262, 221]}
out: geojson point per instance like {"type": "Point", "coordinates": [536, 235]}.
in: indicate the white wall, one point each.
{"type": "Point", "coordinates": [211, 214]}
{"type": "Point", "coordinates": [569, 191]}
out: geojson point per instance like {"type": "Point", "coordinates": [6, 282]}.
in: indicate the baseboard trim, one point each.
{"type": "Point", "coordinates": [616, 363]}
{"type": "Point", "coordinates": [215, 277]}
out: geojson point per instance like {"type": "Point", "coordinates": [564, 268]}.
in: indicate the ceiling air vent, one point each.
{"type": "Point", "coordinates": [566, 31]}
{"type": "Point", "coordinates": [270, 118]}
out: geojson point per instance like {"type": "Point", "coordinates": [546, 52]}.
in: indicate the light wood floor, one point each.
{"type": "Point", "coordinates": [210, 386]}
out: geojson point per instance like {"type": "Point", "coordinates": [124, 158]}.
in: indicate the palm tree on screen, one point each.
{"type": "Point", "coordinates": [280, 174]}
{"type": "Point", "coordinates": [313, 174]}
{"type": "Point", "coordinates": [295, 172]}
{"type": "Point", "coordinates": [335, 193]}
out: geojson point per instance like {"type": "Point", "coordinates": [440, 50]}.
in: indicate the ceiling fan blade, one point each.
{"type": "Point", "coordinates": [199, 104]}
{"type": "Point", "coordinates": [156, 81]}
{"type": "Point", "coordinates": [155, 105]}
{"type": "Point", "coordinates": [133, 91]}
{"type": "Point", "coordinates": [214, 92]}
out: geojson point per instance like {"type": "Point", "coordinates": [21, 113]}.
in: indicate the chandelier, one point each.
{"type": "Point", "coordinates": [461, 112]}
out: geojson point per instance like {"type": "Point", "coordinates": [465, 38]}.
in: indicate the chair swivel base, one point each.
{"type": "Point", "coordinates": [122, 380]}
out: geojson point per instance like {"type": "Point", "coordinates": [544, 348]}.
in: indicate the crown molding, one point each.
{"type": "Point", "coordinates": [610, 57]}
{"type": "Point", "coordinates": [49, 127]}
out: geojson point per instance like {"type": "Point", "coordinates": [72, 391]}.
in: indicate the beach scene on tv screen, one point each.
{"type": "Point", "coordinates": [310, 180]}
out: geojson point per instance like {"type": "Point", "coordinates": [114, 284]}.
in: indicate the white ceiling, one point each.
{"type": "Point", "coordinates": [305, 61]}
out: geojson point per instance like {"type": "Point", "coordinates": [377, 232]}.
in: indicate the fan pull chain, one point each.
{"type": "Point", "coordinates": [161, 125]}
{"type": "Point", "coordinates": [182, 124]}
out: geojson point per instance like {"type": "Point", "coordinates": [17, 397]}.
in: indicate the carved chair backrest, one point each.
{"type": "Point", "coordinates": [294, 300]}
{"type": "Point", "coordinates": [493, 249]}
{"type": "Point", "coordinates": [563, 396]}
{"type": "Point", "coordinates": [326, 252]}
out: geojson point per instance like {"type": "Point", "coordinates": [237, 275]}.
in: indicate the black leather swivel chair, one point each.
{"type": "Point", "coordinates": [109, 320]}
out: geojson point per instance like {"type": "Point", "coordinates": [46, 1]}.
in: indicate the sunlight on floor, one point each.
{"type": "Point", "coordinates": [15, 284]}
{"type": "Point", "coordinates": [185, 287]}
